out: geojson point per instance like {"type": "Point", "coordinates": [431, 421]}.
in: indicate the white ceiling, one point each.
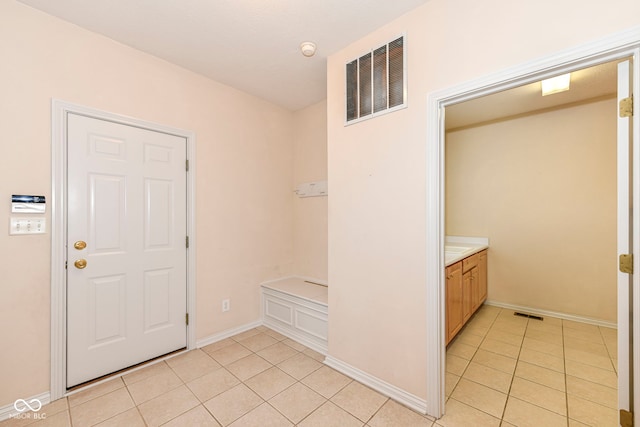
{"type": "Point", "coordinates": [586, 84]}
{"type": "Point", "coordinates": [252, 45]}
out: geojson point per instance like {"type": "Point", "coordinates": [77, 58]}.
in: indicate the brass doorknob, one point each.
{"type": "Point", "coordinates": [80, 245]}
{"type": "Point", "coordinates": [80, 264]}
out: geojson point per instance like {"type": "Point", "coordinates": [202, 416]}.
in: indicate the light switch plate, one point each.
{"type": "Point", "coordinates": [27, 226]}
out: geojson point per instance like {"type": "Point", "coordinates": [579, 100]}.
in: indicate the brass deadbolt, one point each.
{"type": "Point", "coordinates": [80, 245]}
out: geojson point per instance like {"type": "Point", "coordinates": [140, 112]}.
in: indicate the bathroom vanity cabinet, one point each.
{"type": "Point", "coordinates": [454, 296]}
{"type": "Point", "coordinates": [466, 290]}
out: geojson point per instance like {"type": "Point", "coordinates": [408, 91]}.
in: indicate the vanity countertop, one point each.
{"type": "Point", "coordinates": [457, 248]}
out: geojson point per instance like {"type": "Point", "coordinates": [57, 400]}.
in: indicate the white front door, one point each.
{"type": "Point", "coordinates": [126, 248]}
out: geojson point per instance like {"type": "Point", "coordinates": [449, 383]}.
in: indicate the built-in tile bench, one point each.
{"type": "Point", "coordinates": [297, 309]}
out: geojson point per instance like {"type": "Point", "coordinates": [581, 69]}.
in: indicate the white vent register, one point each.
{"type": "Point", "coordinates": [376, 82]}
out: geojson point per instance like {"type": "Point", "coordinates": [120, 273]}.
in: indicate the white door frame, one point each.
{"type": "Point", "coordinates": [59, 111]}
{"type": "Point", "coordinates": [619, 45]}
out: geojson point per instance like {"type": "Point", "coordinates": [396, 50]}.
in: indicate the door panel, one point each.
{"type": "Point", "coordinates": [157, 297]}
{"type": "Point", "coordinates": [107, 215]}
{"type": "Point", "coordinates": [127, 200]}
{"type": "Point", "coordinates": [107, 300]}
{"type": "Point", "coordinates": [158, 214]}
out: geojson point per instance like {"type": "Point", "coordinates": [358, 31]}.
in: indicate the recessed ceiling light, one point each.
{"type": "Point", "coordinates": [556, 84]}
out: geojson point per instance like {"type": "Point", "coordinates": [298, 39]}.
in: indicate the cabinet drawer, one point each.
{"type": "Point", "coordinates": [452, 268]}
{"type": "Point", "coordinates": [469, 263]}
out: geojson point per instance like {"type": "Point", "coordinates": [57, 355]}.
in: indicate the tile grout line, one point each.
{"type": "Point", "coordinates": [248, 386]}
{"type": "Point", "coordinates": [483, 339]}
{"type": "Point", "coordinates": [376, 411]}
{"type": "Point", "coordinates": [474, 353]}
{"type": "Point", "coordinates": [71, 416]}
{"type": "Point", "coordinates": [515, 368]}
{"type": "Point", "coordinates": [587, 380]}
{"type": "Point", "coordinates": [467, 367]}
{"type": "Point", "coordinates": [183, 382]}
{"type": "Point", "coordinates": [326, 400]}
{"type": "Point", "coordinates": [563, 347]}
{"type": "Point", "coordinates": [135, 405]}
{"type": "Point", "coordinates": [142, 418]}
{"type": "Point", "coordinates": [200, 403]}
{"type": "Point", "coordinates": [615, 368]}
{"type": "Point", "coordinates": [565, 377]}
{"type": "Point", "coordinates": [564, 365]}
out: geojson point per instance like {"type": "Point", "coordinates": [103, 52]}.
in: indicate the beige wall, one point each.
{"type": "Point", "coordinates": [244, 175]}
{"type": "Point", "coordinates": [542, 188]}
{"type": "Point", "coordinates": [377, 208]}
{"type": "Point", "coordinates": [310, 213]}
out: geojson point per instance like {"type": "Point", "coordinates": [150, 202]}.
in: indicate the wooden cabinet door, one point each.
{"type": "Point", "coordinates": [482, 277]}
{"type": "Point", "coordinates": [454, 297]}
{"type": "Point", "coordinates": [475, 289]}
{"type": "Point", "coordinates": [467, 304]}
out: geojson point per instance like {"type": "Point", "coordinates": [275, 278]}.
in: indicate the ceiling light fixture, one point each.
{"type": "Point", "coordinates": [308, 48]}
{"type": "Point", "coordinates": [556, 84]}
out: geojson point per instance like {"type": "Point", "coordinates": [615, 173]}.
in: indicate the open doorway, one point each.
{"type": "Point", "coordinates": [537, 177]}
{"type": "Point", "coordinates": [579, 58]}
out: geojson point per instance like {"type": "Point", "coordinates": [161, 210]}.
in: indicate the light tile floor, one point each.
{"type": "Point", "coordinates": [506, 370]}
{"type": "Point", "coordinates": [501, 370]}
{"type": "Point", "coordinates": [255, 379]}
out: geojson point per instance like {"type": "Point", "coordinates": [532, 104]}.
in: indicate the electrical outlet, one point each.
{"type": "Point", "coordinates": [226, 305]}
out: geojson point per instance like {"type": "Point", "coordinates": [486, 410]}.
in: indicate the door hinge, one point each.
{"type": "Point", "coordinates": [626, 107]}
{"type": "Point", "coordinates": [626, 418]}
{"type": "Point", "coordinates": [187, 165]}
{"type": "Point", "coordinates": [626, 263]}
{"type": "Point", "coordinates": [187, 242]}
{"type": "Point", "coordinates": [186, 319]}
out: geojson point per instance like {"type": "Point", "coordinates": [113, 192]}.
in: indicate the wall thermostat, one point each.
{"type": "Point", "coordinates": [21, 203]}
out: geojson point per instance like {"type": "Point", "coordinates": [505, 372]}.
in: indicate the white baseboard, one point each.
{"type": "Point", "coordinates": [538, 312]}
{"type": "Point", "coordinates": [10, 411]}
{"type": "Point", "coordinates": [296, 336]}
{"type": "Point", "coordinates": [271, 325]}
{"type": "Point", "coordinates": [395, 393]}
{"type": "Point", "coordinates": [226, 334]}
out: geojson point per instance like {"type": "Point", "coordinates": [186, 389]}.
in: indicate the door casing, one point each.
{"type": "Point", "coordinates": [618, 46]}
{"type": "Point", "coordinates": [59, 111]}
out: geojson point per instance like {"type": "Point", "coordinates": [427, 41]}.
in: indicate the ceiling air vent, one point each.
{"type": "Point", "coordinates": [376, 82]}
